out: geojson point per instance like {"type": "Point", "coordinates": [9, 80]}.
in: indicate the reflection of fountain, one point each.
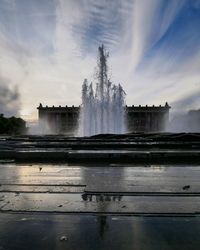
{"type": "Point", "coordinates": [101, 197]}
{"type": "Point", "coordinates": [102, 110]}
{"type": "Point", "coordinates": [103, 225]}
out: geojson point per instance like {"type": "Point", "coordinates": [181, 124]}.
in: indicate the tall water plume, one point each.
{"type": "Point", "coordinates": [103, 105]}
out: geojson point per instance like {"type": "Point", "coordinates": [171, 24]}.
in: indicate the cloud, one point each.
{"type": "Point", "coordinates": [187, 102]}
{"type": "Point", "coordinates": [9, 99]}
{"type": "Point", "coordinates": [48, 47]}
{"type": "Point", "coordinates": [147, 24]}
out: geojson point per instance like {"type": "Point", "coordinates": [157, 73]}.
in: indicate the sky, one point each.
{"type": "Point", "coordinates": [48, 47]}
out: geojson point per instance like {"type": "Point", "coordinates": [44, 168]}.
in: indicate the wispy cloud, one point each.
{"type": "Point", "coordinates": [48, 47]}
{"type": "Point", "coordinates": [150, 22]}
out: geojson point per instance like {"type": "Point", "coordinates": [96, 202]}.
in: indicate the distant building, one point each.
{"type": "Point", "coordinates": [59, 120]}
{"type": "Point", "coordinates": [147, 118]}
{"type": "Point", "coordinates": [194, 116]}
{"type": "Point", "coordinates": [186, 122]}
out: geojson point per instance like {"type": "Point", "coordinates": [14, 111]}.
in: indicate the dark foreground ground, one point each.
{"type": "Point", "coordinates": [100, 203]}
{"type": "Point", "coordinates": [129, 148]}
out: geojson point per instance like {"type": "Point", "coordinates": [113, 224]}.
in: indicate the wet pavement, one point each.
{"type": "Point", "coordinates": [58, 231]}
{"type": "Point", "coordinates": [99, 206]}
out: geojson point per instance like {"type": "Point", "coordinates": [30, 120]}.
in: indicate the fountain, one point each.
{"type": "Point", "coordinates": [103, 107]}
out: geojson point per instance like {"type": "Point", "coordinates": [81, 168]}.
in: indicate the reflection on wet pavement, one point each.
{"type": "Point", "coordinates": [93, 206]}
{"type": "Point", "coordinates": [89, 232]}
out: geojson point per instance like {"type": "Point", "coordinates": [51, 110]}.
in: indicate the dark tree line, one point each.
{"type": "Point", "coordinates": [12, 125]}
